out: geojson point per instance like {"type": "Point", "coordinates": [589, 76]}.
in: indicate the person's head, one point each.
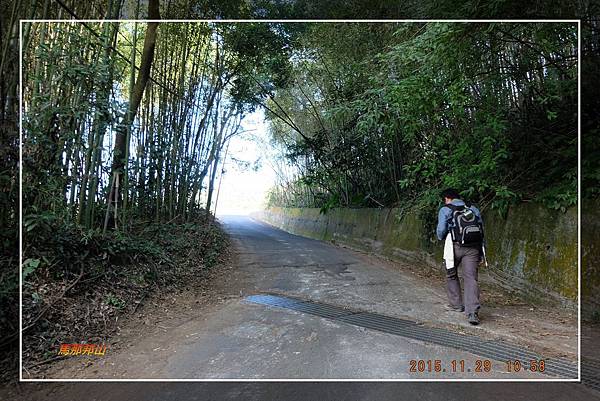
{"type": "Point", "coordinates": [449, 194]}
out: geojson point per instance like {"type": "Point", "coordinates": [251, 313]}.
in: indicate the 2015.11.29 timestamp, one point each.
{"type": "Point", "coordinates": [479, 366]}
{"type": "Point", "coordinates": [453, 366]}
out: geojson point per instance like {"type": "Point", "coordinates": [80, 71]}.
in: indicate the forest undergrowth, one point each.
{"type": "Point", "coordinates": [78, 286]}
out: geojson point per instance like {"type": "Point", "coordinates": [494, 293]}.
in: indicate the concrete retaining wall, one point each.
{"type": "Point", "coordinates": [533, 250]}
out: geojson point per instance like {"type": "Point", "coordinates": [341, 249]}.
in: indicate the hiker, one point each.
{"type": "Point", "coordinates": [463, 246]}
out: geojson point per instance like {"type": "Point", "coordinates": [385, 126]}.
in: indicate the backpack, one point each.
{"type": "Point", "coordinates": [465, 227]}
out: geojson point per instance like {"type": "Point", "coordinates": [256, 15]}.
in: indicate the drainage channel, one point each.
{"type": "Point", "coordinates": [496, 350]}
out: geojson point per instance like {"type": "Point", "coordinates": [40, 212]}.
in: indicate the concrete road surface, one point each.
{"type": "Point", "coordinates": [237, 339]}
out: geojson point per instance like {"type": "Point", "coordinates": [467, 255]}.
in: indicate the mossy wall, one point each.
{"type": "Point", "coordinates": [533, 249]}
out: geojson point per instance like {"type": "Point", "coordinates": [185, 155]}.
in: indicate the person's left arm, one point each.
{"type": "Point", "coordinates": [478, 214]}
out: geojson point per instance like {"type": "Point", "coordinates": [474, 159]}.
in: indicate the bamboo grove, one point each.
{"type": "Point", "coordinates": [390, 114]}
{"type": "Point", "coordinates": [102, 154]}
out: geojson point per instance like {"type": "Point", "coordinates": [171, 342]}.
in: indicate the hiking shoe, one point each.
{"type": "Point", "coordinates": [457, 308]}
{"type": "Point", "coordinates": [473, 318]}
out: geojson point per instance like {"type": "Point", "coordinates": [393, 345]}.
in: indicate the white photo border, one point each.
{"type": "Point", "coordinates": [577, 21]}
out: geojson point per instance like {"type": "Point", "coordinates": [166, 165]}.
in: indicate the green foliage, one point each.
{"type": "Point", "coordinates": [563, 196]}
{"type": "Point", "coordinates": [395, 114]}
{"type": "Point", "coordinates": [115, 301]}
{"type": "Point", "coordinates": [260, 55]}
{"type": "Point", "coordinates": [333, 201]}
{"type": "Point", "coordinates": [62, 248]}
{"type": "Point", "coordinates": [29, 267]}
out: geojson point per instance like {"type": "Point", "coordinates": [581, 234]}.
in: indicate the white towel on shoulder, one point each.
{"type": "Point", "coordinates": [449, 252]}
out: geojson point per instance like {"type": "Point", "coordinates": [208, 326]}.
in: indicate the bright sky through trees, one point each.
{"type": "Point", "coordinates": [243, 190]}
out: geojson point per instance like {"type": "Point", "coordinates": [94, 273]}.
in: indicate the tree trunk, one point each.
{"type": "Point", "coordinates": [120, 148]}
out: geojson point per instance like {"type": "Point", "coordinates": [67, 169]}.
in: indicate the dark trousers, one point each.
{"type": "Point", "coordinates": [469, 259]}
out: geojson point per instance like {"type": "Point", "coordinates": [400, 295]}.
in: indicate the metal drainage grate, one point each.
{"type": "Point", "coordinates": [497, 350]}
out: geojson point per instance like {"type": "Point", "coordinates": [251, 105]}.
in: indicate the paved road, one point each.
{"type": "Point", "coordinates": [238, 339]}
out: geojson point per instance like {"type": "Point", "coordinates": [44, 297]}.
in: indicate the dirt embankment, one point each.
{"type": "Point", "coordinates": [130, 282]}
